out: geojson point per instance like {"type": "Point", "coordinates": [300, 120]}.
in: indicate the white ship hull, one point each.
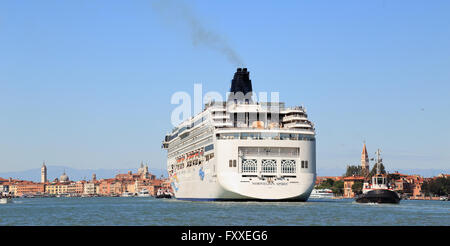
{"type": "Point", "coordinates": [215, 180]}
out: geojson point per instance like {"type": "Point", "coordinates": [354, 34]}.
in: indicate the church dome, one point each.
{"type": "Point", "coordinates": [64, 178]}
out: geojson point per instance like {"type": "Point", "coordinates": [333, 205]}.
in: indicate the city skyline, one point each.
{"type": "Point", "coordinates": [88, 85]}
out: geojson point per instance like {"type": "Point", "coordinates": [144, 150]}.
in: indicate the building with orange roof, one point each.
{"type": "Point", "coordinates": [91, 188]}
{"type": "Point", "coordinates": [442, 175]}
{"type": "Point", "coordinates": [29, 188]}
{"type": "Point", "coordinates": [409, 185]}
{"type": "Point", "coordinates": [57, 188]}
{"type": "Point", "coordinates": [348, 184]}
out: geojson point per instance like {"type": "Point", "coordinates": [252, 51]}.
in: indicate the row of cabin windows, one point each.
{"type": "Point", "coordinates": [192, 163]}
{"type": "Point", "coordinates": [269, 166]}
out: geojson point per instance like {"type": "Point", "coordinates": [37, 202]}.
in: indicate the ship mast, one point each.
{"type": "Point", "coordinates": [378, 162]}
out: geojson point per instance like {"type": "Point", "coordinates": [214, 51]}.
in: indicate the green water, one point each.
{"type": "Point", "coordinates": [154, 212]}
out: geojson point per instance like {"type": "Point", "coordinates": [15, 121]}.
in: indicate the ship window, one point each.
{"type": "Point", "coordinates": [231, 163]}
{"type": "Point", "coordinates": [250, 136]}
{"type": "Point", "coordinates": [209, 147]}
{"type": "Point", "coordinates": [229, 136]}
{"type": "Point", "coordinates": [269, 135]}
{"type": "Point", "coordinates": [234, 163]}
{"type": "Point", "coordinates": [249, 166]}
{"type": "Point", "coordinates": [288, 136]}
{"type": "Point", "coordinates": [288, 166]}
{"type": "Point", "coordinates": [304, 164]}
{"type": "Point", "coordinates": [269, 166]}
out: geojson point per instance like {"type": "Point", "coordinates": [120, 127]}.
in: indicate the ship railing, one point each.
{"type": "Point", "coordinates": [266, 136]}
{"type": "Point", "coordinates": [308, 130]}
{"type": "Point", "coordinates": [269, 152]}
{"type": "Point", "coordinates": [295, 117]}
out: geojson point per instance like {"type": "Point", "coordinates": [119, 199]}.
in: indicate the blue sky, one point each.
{"type": "Point", "coordinates": [87, 84]}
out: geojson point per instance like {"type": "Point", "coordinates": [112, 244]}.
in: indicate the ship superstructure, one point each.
{"type": "Point", "coordinates": [243, 150]}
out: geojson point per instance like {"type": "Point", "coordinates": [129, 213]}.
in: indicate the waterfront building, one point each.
{"type": "Point", "coordinates": [144, 173]}
{"type": "Point", "coordinates": [103, 188]}
{"type": "Point", "coordinates": [166, 184]}
{"type": "Point", "coordinates": [446, 176]}
{"type": "Point", "coordinates": [417, 186]}
{"type": "Point", "coordinates": [110, 187]}
{"type": "Point", "coordinates": [408, 185]}
{"type": "Point", "coordinates": [128, 176]}
{"type": "Point", "coordinates": [71, 188]}
{"type": "Point", "coordinates": [44, 173]}
{"type": "Point", "coordinates": [57, 188]}
{"type": "Point", "coordinates": [79, 187]}
{"type": "Point", "coordinates": [129, 182]}
{"type": "Point", "coordinates": [4, 188]}
{"type": "Point", "coordinates": [29, 188]}
{"type": "Point", "coordinates": [348, 184]}
{"type": "Point", "coordinates": [90, 188]}
{"type": "Point", "coordinates": [133, 187]}
{"type": "Point", "coordinates": [12, 188]}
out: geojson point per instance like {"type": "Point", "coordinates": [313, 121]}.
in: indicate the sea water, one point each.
{"type": "Point", "coordinates": [135, 211]}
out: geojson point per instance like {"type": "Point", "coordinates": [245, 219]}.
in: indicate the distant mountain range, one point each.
{"type": "Point", "coordinates": [427, 173]}
{"type": "Point", "coordinates": [74, 174]}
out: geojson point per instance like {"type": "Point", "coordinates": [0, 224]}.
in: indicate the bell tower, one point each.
{"type": "Point", "coordinates": [43, 173]}
{"type": "Point", "coordinates": [365, 161]}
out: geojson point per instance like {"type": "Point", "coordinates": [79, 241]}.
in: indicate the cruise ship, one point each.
{"type": "Point", "coordinates": [240, 150]}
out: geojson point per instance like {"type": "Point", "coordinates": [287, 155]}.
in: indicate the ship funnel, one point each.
{"type": "Point", "coordinates": [241, 86]}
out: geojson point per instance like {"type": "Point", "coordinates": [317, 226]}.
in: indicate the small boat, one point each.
{"type": "Point", "coordinates": [127, 194]}
{"type": "Point", "coordinates": [163, 194]}
{"type": "Point", "coordinates": [143, 193]}
{"type": "Point", "coordinates": [443, 198]}
{"type": "Point", "coordinates": [322, 194]}
{"type": "Point", "coordinates": [5, 199]}
{"type": "Point", "coordinates": [378, 191]}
